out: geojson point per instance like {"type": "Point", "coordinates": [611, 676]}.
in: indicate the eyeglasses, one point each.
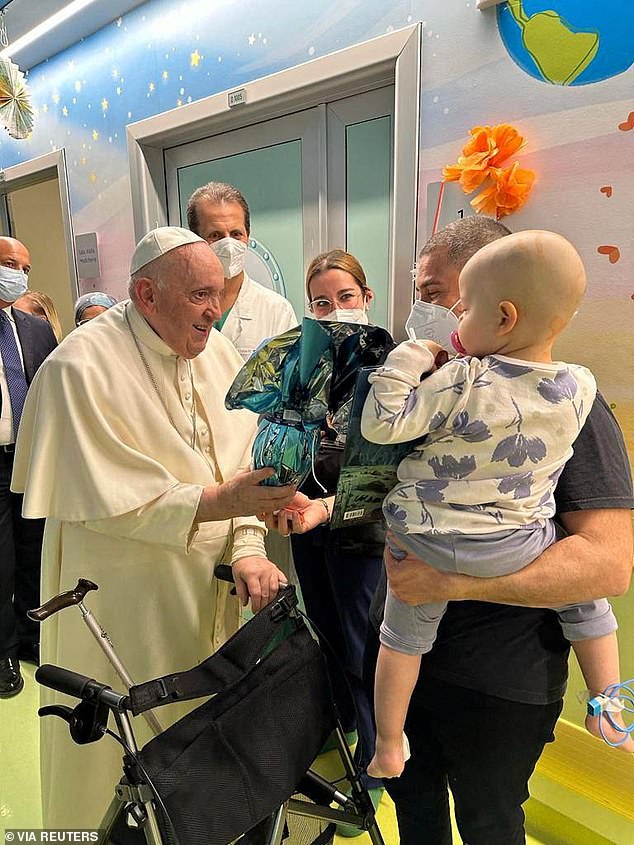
{"type": "Point", "coordinates": [322, 306]}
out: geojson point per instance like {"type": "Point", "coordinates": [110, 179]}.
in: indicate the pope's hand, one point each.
{"type": "Point", "coordinates": [258, 579]}
{"type": "Point", "coordinates": [415, 582]}
{"type": "Point", "coordinates": [242, 495]}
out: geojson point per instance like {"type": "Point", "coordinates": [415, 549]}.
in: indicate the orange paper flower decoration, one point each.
{"type": "Point", "coordinates": [489, 147]}
{"type": "Point", "coordinates": [471, 171]}
{"type": "Point", "coordinates": [508, 191]}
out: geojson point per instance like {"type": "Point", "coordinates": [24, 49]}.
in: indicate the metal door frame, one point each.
{"type": "Point", "coordinates": [300, 125]}
{"type": "Point", "coordinates": [341, 114]}
{"type": "Point", "coordinates": [41, 169]}
{"type": "Point", "coordinates": [394, 58]}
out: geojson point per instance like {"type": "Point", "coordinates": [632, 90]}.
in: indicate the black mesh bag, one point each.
{"type": "Point", "coordinates": [232, 761]}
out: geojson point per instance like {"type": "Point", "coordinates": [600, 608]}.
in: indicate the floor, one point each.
{"type": "Point", "coordinates": [19, 772]}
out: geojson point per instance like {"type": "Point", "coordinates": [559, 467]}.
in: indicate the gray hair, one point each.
{"type": "Point", "coordinates": [217, 192]}
{"type": "Point", "coordinates": [463, 238]}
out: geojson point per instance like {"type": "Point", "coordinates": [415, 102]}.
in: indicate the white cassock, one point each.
{"type": "Point", "coordinates": [105, 454]}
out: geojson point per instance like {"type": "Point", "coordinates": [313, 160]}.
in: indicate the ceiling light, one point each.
{"type": "Point", "coordinates": [44, 27]}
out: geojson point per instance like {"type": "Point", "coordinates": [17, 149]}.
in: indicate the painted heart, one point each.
{"type": "Point", "coordinates": [613, 253]}
{"type": "Point", "coordinates": [629, 123]}
{"type": "Point", "coordinates": [607, 190]}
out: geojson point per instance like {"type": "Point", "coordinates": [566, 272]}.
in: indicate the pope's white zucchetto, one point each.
{"type": "Point", "coordinates": [158, 242]}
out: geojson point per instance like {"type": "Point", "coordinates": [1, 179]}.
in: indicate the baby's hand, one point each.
{"type": "Point", "coordinates": [440, 355]}
{"type": "Point", "coordinates": [433, 347]}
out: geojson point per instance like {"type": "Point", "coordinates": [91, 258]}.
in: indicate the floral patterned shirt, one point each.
{"type": "Point", "coordinates": [496, 432]}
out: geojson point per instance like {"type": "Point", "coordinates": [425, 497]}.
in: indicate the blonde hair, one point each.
{"type": "Point", "coordinates": [48, 307]}
{"type": "Point", "coordinates": [336, 259]}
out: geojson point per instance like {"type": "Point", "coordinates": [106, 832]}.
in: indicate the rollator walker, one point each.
{"type": "Point", "coordinates": [237, 768]}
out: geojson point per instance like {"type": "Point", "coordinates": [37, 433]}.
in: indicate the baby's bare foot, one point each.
{"type": "Point", "coordinates": [611, 733]}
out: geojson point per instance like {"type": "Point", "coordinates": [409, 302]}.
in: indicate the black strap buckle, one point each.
{"type": "Point", "coordinates": [284, 604]}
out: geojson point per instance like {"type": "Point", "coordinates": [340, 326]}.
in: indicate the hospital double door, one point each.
{"type": "Point", "coordinates": [315, 179]}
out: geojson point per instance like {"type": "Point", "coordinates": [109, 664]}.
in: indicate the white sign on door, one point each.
{"type": "Point", "coordinates": [87, 253]}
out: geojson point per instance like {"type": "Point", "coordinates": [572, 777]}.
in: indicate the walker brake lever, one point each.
{"type": "Point", "coordinates": [223, 572]}
{"type": "Point", "coordinates": [60, 710]}
{"type": "Point", "coordinates": [87, 721]}
{"type": "Point", "coordinates": [62, 600]}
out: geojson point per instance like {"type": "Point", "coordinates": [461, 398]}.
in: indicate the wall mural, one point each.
{"type": "Point", "coordinates": [568, 42]}
{"type": "Point", "coordinates": [559, 70]}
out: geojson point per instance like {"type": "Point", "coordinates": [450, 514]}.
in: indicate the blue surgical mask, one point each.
{"type": "Point", "coordinates": [13, 283]}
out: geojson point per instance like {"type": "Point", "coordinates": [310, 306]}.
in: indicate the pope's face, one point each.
{"type": "Point", "coordinates": [183, 310]}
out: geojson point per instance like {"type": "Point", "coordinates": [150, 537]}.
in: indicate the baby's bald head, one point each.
{"type": "Point", "coordinates": [540, 272]}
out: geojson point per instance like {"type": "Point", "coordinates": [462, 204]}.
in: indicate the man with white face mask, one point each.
{"type": "Point", "coordinates": [251, 312]}
{"type": "Point", "coordinates": [435, 312]}
{"type": "Point", "coordinates": [25, 341]}
{"type": "Point", "coordinates": [491, 689]}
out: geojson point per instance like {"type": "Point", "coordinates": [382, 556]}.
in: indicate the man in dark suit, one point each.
{"type": "Point", "coordinates": [25, 341]}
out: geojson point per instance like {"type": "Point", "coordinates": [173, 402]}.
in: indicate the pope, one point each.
{"type": "Point", "coordinates": [127, 450]}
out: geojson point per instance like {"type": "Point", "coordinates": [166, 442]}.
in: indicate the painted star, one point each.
{"type": "Point", "coordinates": [65, 111]}
{"type": "Point", "coordinates": [195, 58]}
{"type": "Point", "coordinates": [251, 40]}
{"type": "Point", "coordinates": [151, 86]}
{"type": "Point", "coordinates": [55, 98]}
{"type": "Point", "coordinates": [93, 177]}
{"type": "Point", "coordinates": [104, 105]}
{"type": "Point", "coordinates": [95, 135]}
{"type": "Point", "coordinates": [165, 75]}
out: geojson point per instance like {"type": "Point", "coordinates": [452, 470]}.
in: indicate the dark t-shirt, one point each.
{"type": "Point", "coordinates": [520, 653]}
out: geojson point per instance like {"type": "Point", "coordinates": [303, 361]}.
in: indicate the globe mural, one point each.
{"type": "Point", "coordinates": [569, 42]}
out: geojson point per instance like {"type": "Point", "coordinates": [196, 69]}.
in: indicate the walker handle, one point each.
{"type": "Point", "coordinates": [63, 680]}
{"type": "Point", "coordinates": [80, 686]}
{"type": "Point", "coordinates": [62, 600]}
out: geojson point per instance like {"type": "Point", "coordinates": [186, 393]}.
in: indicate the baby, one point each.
{"type": "Point", "coordinates": [476, 496]}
